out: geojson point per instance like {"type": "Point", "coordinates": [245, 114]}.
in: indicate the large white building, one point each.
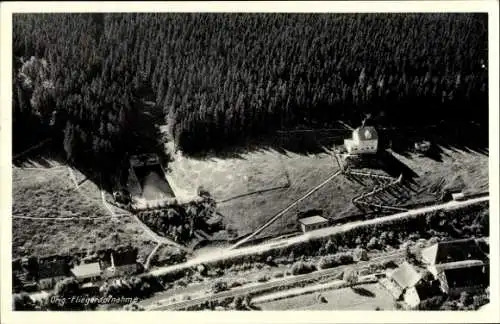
{"type": "Point", "coordinates": [364, 141]}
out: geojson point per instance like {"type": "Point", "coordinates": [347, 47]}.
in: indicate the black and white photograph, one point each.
{"type": "Point", "coordinates": [250, 161]}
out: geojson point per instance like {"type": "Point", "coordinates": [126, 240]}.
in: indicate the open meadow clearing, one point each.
{"type": "Point", "coordinates": [79, 220]}
{"type": "Point", "coordinates": [251, 188]}
{"type": "Point", "coordinates": [363, 297]}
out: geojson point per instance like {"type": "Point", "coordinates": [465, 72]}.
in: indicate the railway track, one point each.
{"type": "Point", "coordinates": [287, 282]}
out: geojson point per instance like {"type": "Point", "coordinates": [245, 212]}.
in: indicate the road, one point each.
{"type": "Point", "coordinates": [320, 233]}
{"type": "Point", "coordinates": [243, 291]}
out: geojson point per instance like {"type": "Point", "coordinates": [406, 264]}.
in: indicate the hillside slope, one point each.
{"type": "Point", "coordinates": [258, 183]}
{"type": "Point", "coordinates": [47, 199]}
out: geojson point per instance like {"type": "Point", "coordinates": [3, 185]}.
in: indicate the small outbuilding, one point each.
{"type": "Point", "coordinates": [312, 223]}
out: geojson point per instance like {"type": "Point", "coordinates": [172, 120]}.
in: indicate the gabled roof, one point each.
{"type": "Point", "coordinates": [367, 133]}
{"type": "Point", "coordinates": [52, 269]}
{"type": "Point", "coordinates": [313, 220]}
{"type": "Point", "coordinates": [453, 251]}
{"type": "Point", "coordinates": [406, 276]}
{"type": "Point", "coordinates": [465, 277]}
{"type": "Point", "coordinates": [125, 257]}
{"type": "Point", "coordinates": [87, 270]}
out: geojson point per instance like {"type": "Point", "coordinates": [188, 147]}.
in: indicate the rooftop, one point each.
{"type": "Point", "coordinates": [313, 220]}
{"type": "Point", "coordinates": [453, 251]}
{"type": "Point", "coordinates": [406, 275]}
{"type": "Point", "coordinates": [52, 269]}
{"type": "Point", "coordinates": [465, 277]}
{"type": "Point", "coordinates": [87, 270]}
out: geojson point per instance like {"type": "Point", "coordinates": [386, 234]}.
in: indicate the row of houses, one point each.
{"type": "Point", "coordinates": [448, 268]}
{"type": "Point", "coordinates": [32, 274]}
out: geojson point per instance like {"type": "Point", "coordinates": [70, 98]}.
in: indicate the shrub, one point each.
{"type": "Point", "coordinates": [465, 298]}
{"type": "Point", "coordinates": [389, 265]}
{"type": "Point", "coordinates": [480, 300]}
{"type": "Point", "coordinates": [345, 258]}
{"type": "Point", "coordinates": [235, 283]}
{"type": "Point", "coordinates": [219, 286]}
{"type": "Point", "coordinates": [350, 276]}
{"type": "Point", "coordinates": [373, 243]}
{"type": "Point", "coordinates": [278, 275]}
{"type": "Point", "coordinates": [330, 247]}
{"type": "Point", "coordinates": [334, 260]}
{"type": "Point", "coordinates": [413, 236]}
{"type": "Point", "coordinates": [301, 267]}
{"type": "Point", "coordinates": [328, 261]}
{"type": "Point", "coordinates": [237, 303]}
{"type": "Point", "coordinates": [360, 254]}
{"type": "Point", "coordinates": [202, 270]}
{"type": "Point", "coordinates": [263, 278]}
{"type": "Point", "coordinates": [433, 303]}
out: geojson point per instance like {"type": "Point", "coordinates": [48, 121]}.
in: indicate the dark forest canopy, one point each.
{"type": "Point", "coordinates": [224, 78]}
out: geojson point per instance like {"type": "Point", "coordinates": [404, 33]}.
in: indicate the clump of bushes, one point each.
{"type": "Point", "coordinates": [218, 286]}
{"type": "Point", "coordinates": [263, 278]}
{"type": "Point", "coordinates": [335, 260]}
{"type": "Point", "coordinates": [278, 275]}
{"type": "Point", "coordinates": [235, 284]}
{"type": "Point", "coordinates": [302, 267]}
{"type": "Point", "coordinates": [360, 254]}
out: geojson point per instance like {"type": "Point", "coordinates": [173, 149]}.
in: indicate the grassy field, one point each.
{"type": "Point", "coordinates": [251, 188]}
{"type": "Point", "coordinates": [51, 194]}
{"type": "Point", "coordinates": [363, 297]}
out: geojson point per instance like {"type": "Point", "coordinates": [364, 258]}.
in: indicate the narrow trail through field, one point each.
{"type": "Point", "coordinates": [61, 218]}
{"type": "Point", "coordinates": [147, 264]}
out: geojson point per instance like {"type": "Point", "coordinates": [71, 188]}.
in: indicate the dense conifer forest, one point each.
{"type": "Point", "coordinates": [221, 79]}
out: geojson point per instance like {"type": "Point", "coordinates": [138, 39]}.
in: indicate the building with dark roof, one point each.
{"type": "Point", "coordinates": [457, 280]}
{"type": "Point", "coordinates": [50, 272]}
{"type": "Point", "coordinates": [120, 262]}
{"type": "Point", "coordinates": [459, 265]}
{"type": "Point", "coordinates": [453, 251]}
